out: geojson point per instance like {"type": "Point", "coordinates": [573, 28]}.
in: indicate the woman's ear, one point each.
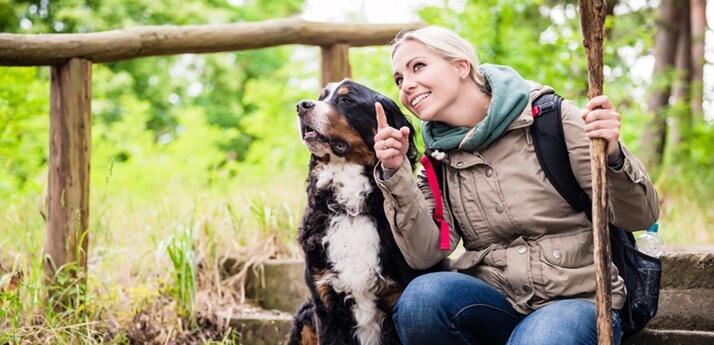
{"type": "Point", "coordinates": [463, 68]}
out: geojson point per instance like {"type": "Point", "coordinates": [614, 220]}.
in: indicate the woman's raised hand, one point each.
{"type": "Point", "coordinates": [390, 144]}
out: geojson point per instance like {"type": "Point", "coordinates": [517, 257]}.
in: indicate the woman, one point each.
{"type": "Point", "coordinates": [527, 276]}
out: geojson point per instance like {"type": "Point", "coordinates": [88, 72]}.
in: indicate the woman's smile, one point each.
{"type": "Point", "coordinates": [420, 98]}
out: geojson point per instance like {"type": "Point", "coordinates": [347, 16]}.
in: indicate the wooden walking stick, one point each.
{"type": "Point", "coordinates": [592, 20]}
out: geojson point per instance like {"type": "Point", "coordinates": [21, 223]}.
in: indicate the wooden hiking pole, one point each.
{"type": "Point", "coordinates": [592, 23]}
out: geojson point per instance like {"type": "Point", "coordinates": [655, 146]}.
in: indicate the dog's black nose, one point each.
{"type": "Point", "coordinates": [303, 106]}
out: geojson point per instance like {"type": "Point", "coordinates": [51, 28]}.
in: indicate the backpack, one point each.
{"type": "Point", "coordinates": [641, 273]}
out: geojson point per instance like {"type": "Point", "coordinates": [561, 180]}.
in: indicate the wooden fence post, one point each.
{"type": "Point", "coordinates": [335, 63]}
{"type": "Point", "coordinates": [67, 239]}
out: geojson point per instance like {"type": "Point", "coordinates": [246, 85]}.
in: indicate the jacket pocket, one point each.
{"type": "Point", "coordinates": [571, 250]}
{"type": "Point", "coordinates": [567, 264]}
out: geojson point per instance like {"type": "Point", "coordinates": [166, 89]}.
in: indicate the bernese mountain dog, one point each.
{"type": "Point", "coordinates": [353, 267]}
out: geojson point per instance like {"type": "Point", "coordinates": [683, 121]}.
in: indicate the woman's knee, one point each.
{"type": "Point", "coordinates": [423, 293]}
{"type": "Point", "coordinates": [446, 293]}
{"type": "Point", "coordinates": [562, 322]}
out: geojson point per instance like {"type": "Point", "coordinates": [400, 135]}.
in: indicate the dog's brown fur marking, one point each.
{"type": "Point", "coordinates": [308, 336]}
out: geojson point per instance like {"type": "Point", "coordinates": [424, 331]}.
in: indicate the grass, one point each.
{"type": "Point", "coordinates": [685, 204]}
{"type": "Point", "coordinates": [154, 256]}
{"type": "Point", "coordinates": [153, 266]}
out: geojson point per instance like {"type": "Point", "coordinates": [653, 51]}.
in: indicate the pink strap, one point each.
{"type": "Point", "coordinates": [444, 240]}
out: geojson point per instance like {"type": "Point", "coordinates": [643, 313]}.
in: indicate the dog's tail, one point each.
{"type": "Point", "coordinates": [303, 331]}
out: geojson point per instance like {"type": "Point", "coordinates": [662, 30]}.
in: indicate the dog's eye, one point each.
{"type": "Point", "coordinates": [344, 100]}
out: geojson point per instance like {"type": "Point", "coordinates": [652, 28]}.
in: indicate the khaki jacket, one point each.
{"type": "Point", "coordinates": [520, 235]}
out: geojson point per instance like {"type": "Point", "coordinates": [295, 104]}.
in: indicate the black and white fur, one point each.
{"type": "Point", "coordinates": [353, 267]}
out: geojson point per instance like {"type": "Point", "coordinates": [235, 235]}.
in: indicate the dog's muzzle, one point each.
{"type": "Point", "coordinates": [304, 106]}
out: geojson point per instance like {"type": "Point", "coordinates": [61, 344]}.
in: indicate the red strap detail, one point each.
{"type": "Point", "coordinates": [535, 111]}
{"type": "Point", "coordinates": [444, 239]}
{"type": "Point", "coordinates": [444, 243]}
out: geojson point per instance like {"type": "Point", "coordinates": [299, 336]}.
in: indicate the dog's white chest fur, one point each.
{"type": "Point", "coordinates": [353, 247]}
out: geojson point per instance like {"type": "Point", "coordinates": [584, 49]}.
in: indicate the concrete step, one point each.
{"type": "Point", "coordinates": [274, 284]}
{"type": "Point", "coordinates": [269, 328]}
{"type": "Point", "coordinates": [273, 330]}
{"type": "Point", "coordinates": [671, 337]}
{"type": "Point", "coordinates": [686, 294]}
{"type": "Point", "coordinates": [687, 271]}
{"type": "Point", "coordinates": [685, 309]}
{"type": "Point", "coordinates": [685, 315]}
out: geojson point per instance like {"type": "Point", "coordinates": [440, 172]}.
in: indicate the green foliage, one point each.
{"type": "Point", "coordinates": [274, 124]}
{"type": "Point", "coordinates": [24, 128]}
{"type": "Point", "coordinates": [699, 146]}
{"type": "Point", "coordinates": [215, 83]}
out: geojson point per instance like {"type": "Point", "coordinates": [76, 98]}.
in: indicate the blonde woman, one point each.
{"type": "Point", "coordinates": [527, 276]}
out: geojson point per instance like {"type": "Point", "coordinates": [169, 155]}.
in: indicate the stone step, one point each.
{"type": "Point", "coordinates": [686, 294]}
{"type": "Point", "coordinates": [273, 330]}
{"type": "Point", "coordinates": [279, 285]}
{"type": "Point", "coordinates": [272, 285]}
{"type": "Point", "coordinates": [684, 315]}
{"type": "Point", "coordinates": [685, 309]}
{"type": "Point", "coordinates": [270, 328]}
{"type": "Point", "coordinates": [687, 271]}
{"type": "Point", "coordinates": [671, 337]}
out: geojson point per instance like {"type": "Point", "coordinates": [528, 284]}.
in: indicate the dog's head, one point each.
{"type": "Point", "coordinates": [341, 124]}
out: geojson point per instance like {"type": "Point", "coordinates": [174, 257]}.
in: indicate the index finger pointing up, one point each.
{"type": "Point", "coordinates": [381, 117]}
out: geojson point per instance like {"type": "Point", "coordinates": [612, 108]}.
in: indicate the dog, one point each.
{"type": "Point", "coordinates": [353, 267]}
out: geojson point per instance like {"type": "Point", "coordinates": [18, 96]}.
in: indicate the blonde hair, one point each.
{"type": "Point", "coordinates": [447, 44]}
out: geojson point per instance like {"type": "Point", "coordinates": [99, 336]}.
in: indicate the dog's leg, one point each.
{"type": "Point", "coordinates": [303, 331]}
{"type": "Point", "coordinates": [337, 326]}
{"type": "Point", "coordinates": [389, 332]}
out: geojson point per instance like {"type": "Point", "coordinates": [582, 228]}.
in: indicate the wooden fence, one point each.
{"type": "Point", "coordinates": [70, 57]}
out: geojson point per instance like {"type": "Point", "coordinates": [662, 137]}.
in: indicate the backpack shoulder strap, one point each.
{"type": "Point", "coordinates": [434, 177]}
{"type": "Point", "coordinates": [552, 152]}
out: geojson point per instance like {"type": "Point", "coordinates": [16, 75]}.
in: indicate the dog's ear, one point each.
{"type": "Point", "coordinates": [397, 119]}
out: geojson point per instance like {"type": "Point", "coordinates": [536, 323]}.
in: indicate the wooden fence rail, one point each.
{"type": "Point", "coordinates": [70, 57]}
{"type": "Point", "coordinates": [143, 41]}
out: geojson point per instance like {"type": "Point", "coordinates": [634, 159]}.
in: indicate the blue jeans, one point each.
{"type": "Point", "coordinates": [453, 308]}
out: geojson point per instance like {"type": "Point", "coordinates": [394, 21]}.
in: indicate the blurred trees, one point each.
{"type": "Point", "coordinates": [243, 102]}
{"type": "Point", "coordinates": [152, 94]}
{"type": "Point", "coordinates": [24, 124]}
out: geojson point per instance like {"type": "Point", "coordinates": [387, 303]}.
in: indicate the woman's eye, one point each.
{"type": "Point", "coordinates": [398, 81]}
{"type": "Point", "coordinates": [418, 66]}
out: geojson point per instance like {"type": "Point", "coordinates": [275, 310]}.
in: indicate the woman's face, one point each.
{"type": "Point", "coordinates": [428, 84]}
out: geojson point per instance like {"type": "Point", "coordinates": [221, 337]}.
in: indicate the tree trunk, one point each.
{"type": "Point", "coordinates": [699, 26]}
{"type": "Point", "coordinates": [681, 118]}
{"type": "Point", "coordinates": [654, 133]}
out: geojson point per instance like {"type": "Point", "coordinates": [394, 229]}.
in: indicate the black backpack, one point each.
{"type": "Point", "coordinates": [641, 273]}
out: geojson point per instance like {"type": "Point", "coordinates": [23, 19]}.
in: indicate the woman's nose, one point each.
{"type": "Point", "coordinates": [408, 84]}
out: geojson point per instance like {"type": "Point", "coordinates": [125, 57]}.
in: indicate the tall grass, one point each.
{"type": "Point", "coordinates": [154, 262]}
{"type": "Point", "coordinates": [182, 255]}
